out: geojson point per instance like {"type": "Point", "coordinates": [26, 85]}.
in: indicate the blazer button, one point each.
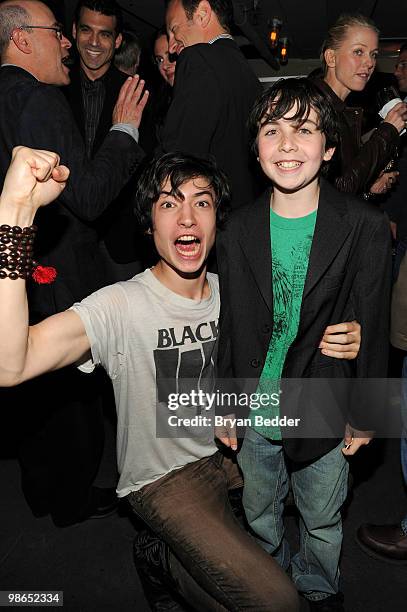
{"type": "Point", "coordinates": [255, 363]}
{"type": "Point", "coordinates": [266, 329]}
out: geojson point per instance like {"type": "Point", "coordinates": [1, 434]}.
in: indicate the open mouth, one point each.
{"type": "Point", "coordinates": [188, 245]}
{"type": "Point", "coordinates": [288, 165]}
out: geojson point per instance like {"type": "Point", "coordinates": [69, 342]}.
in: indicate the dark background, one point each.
{"type": "Point", "coordinates": [305, 23]}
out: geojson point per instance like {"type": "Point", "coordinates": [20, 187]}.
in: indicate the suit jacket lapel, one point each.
{"type": "Point", "coordinates": [74, 94]}
{"type": "Point", "coordinates": [254, 240]}
{"type": "Point", "coordinates": [112, 83]}
{"type": "Point", "coordinates": [331, 230]}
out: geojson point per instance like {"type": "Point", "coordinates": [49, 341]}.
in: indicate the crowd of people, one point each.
{"type": "Point", "coordinates": [115, 177]}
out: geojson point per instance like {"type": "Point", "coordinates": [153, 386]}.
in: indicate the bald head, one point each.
{"type": "Point", "coordinates": [31, 38]}
{"type": "Point", "coordinates": [15, 14]}
{"type": "Point", "coordinates": [12, 15]}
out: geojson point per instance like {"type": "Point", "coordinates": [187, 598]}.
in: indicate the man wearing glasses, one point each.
{"type": "Point", "coordinates": [60, 449]}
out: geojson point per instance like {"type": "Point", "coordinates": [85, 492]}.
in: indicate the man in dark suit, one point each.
{"type": "Point", "coordinates": [60, 451]}
{"type": "Point", "coordinates": [92, 95]}
{"type": "Point", "coordinates": [213, 93]}
{"type": "Point", "coordinates": [97, 34]}
{"type": "Point", "coordinates": [302, 257]}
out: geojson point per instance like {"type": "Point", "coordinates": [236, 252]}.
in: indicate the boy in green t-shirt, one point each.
{"type": "Point", "coordinates": [302, 257]}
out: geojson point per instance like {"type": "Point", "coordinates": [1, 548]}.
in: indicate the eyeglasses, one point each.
{"type": "Point", "coordinates": [401, 65]}
{"type": "Point", "coordinates": [57, 29]}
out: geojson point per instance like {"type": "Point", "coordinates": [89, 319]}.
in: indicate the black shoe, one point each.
{"type": "Point", "coordinates": [103, 503]}
{"type": "Point", "coordinates": [332, 603]}
{"type": "Point", "coordinates": [384, 542]}
{"type": "Point", "coordinates": [236, 503]}
{"type": "Point", "coordinates": [151, 559]}
{"type": "Point", "coordinates": [158, 596]}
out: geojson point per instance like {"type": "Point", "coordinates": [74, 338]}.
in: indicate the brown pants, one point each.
{"type": "Point", "coordinates": [214, 562]}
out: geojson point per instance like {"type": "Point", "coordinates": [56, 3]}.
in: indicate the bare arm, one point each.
{"type": "Point", "coordinates": [34, 179]}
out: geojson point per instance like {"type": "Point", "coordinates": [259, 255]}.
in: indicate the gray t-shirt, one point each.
{"type": "Point", "coordinates": [149, 340]}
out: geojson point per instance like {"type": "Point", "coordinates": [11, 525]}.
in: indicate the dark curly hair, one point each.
{"type": "Point", "coordinates": [282, 96]}
{"type": "Point", "coordinates": [178, 168]}
{"type": "Point", "coordinates": [107, 7]}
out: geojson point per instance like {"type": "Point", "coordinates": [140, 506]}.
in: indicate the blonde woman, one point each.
{"type": "Point", "coordinates": [349, 55]}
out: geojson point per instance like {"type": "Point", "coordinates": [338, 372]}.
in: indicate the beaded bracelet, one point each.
{"type": "Point", "coordinates": [16, 255]}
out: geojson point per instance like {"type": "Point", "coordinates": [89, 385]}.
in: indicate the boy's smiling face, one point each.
{"type": "Point", "coordinates": [291, 152]}
{"type": "Point", "coordinates": [184, 226]}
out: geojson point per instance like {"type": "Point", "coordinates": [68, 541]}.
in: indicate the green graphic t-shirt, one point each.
{"type": "Point", "coordinates": [291, 241]}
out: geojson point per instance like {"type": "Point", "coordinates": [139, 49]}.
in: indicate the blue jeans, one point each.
{"type": "Point", "coordinates": [319, 491]}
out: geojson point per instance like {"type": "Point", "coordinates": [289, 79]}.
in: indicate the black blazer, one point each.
{"type": "Point", "coordinates": [117, 226]}
{"type": "Point", "coordinates": [38, 115]}
{"type": "Point", "coordinates": [348, 278]}
{"type": "Point", "coordinates": [113, 80]}
{"type": "Point", "coordinates": [214, 91]}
